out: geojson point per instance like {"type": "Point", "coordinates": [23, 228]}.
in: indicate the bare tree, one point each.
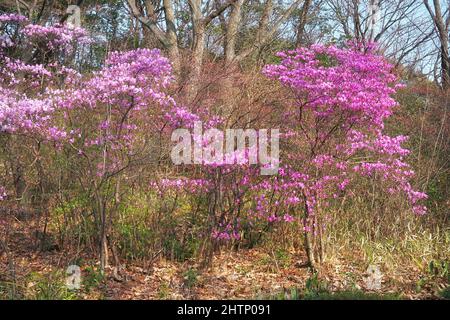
{"type": "Point", "coordinates": [400, 27]}
{"type": "Point", "coordinates": [303, 16]}
{"type": "Point", "coordinates": [264, 33]}
{"type": "Point", "coordinates": [146, 13]}
{"type": "Point", "coordinates": [199, 23]}
{"type": "Point", "coordinates": [183, 26]}
{"type": "Point", "coordinates": [441, 22]}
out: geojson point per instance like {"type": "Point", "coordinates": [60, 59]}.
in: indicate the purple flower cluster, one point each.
{"type": "Point", "coordinates": [2, 193]}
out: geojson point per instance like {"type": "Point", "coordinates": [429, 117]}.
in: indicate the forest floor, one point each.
{"type": "Point", "coordinates": [243, 274]}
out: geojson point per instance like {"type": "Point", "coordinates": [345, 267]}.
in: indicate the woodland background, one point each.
{"type": "Point", "coordinates": [145, 245]}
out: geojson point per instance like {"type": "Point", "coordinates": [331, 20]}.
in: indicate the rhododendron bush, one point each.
{"type": "Point", "coordinates": [102, 122]}
{"type": "Point", "coordinates": [333, 139]}
{"type": "Point", "coordinates": [341, 98]}
{"type": "Point", "coordinates": [334, 125]}
{"type": "Point", "coordinates": [111, 123]}
{"type": "Point", "coordinates": [46, 99]}
{"type": "Point", "coordinates": [32, 65]}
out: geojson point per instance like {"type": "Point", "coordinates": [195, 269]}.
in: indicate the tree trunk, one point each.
{"type": "Point", "coordinates": [309, 247]}
{"type": "Point", "coordinates": [103, 237]}
{"type": "Point", "coordinates": [441, 25]}
{"type": "Point", "coordinates": [445, 65]}
{"type": "Point", "coordinates": [172, 43]}
{"type": "Point", "coordinates": [197, 50]}
{"type": "Point", "coordinates": [302, 22]}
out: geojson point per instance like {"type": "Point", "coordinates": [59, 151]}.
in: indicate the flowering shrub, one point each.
{"type": "Point", "coordinates": [56, 37]}
{"type": "Point", "coordinates": [341, 100]}
{"type": "Point", "coordinates": [30, 67]}
{"type": "Point", "coordinates": [101, 123]}
{"type": "Point", "coordinates": [125, 96]}
{"type": "Point", "coordinates": [123, 101]}
{"type": "Point", "coordinates": [119, 117]}
{"type": "Point", "coordinates": [332, 137]}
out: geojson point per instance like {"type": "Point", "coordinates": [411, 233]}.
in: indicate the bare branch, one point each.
{"type": "Point", "coordinates": [159, 34]}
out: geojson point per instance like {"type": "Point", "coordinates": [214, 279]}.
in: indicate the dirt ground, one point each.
{"type": "Point", "coordinates": [243, 274]}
